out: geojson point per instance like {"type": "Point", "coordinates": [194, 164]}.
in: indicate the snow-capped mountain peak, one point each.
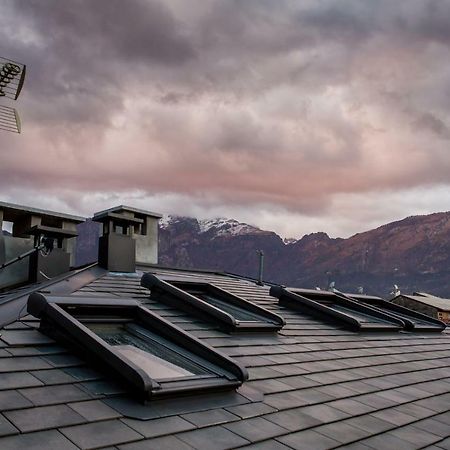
{"type": "Point", "coordinates": [214, 227]}
{"type": "Point", "coordinates": [222, 226]}
{"type": "Point", "coordinates": [165, 221]}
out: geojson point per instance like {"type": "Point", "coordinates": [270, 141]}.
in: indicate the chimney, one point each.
{"type": "Point", "coordinates": [29, 227]}
{"type": "Point", "coordinates": [130, 236]}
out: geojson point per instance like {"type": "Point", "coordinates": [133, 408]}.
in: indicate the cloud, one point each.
{"type": "Point", "coordinates": [256, 104]}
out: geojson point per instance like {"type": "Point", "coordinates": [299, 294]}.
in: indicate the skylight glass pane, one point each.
{"type": "Point", "coordinates": [238, 313]}
{"type": "Point", "coordinates": [155, 367]}
{"type": "Point", "coordinates": [152, 353]}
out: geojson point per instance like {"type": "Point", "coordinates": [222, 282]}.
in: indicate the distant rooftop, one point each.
{"type": "Point", "coordinates": [430, 300]}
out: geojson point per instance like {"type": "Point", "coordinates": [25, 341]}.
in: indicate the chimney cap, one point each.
{"type": "Point", "coordinates": [11, 212]}
{"type": "Point", "coordinates": [118, 218]}
{"type": "Point", "coordinates": [52, 232]}
{"type": "Point", "coordinates": [122, 208]}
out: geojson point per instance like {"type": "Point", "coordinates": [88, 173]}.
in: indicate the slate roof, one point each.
{"type": "Point", "coordinates": [311, 386]}
{"type": "Point", "coordinates": [443, 304]}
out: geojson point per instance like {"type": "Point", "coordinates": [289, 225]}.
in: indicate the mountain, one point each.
{"type": "Point", "coordinates": [413, 253]}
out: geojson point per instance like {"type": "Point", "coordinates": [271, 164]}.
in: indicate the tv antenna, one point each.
{"type": "Point", "coordinates": [12, 77]}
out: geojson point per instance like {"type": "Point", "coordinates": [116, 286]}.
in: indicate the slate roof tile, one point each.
{"type": "Point", "coordinates": [101, 434]}
{"type": "Point", "coordinates": [93, 410]}
{"type": "Point", "coordinates": [162, 443]}
{"type": "Point", "coordinates": [52, 376]}
{"type": "Point", "coordinates": [6, 427]}
{"type": "Point", "coordinates": [293, 419]}
{"type": "Point", "coordinates": [370, 424]}
{"type": "Point", "coordinates": [23, 364]}
{"type": "Point", "coordinates": [214, 438]}
{"type": "Point", "coordinates": [83, 373]}
{"type": "Point", "coordinates": [389, 440]}
{"type": "Point", "coordinates": [435, 426]}
{"type": "Point", "coordinates": [415, 410]}
{"type": "Point", "coordinates": [159, 427]}
{"type": "Point", "coordinates": [15, 380]}
{"type": "Point", "coordinates": [394, 417]}
{"type": "Point", "coordinates": [270, 444]}
{"type": "Point", "coordinates": [51, 395]}
{"type": "Point", "coordinates": [256, 429]}
{"type": "Point", "coordinates": [25, 337]}
{"type": "Point", "coordinates": [251, 410]}
{"type": "Point", "coordinates": [342, 432]}
{"type": "Point", "coordinates": [13, 400]}
{"type": "Point", "coordinates": [42, 440]}
{"type": "Point", "coordinates": [63, 360]}
{"type": "Point", "coordinates": [324, 413]}
{"type": "Point", "coordinates": [212, 417]}
{"type": "Point", "coordinates": [438, 403]}
{"type": "Point", "coordinates": [42, 418]}
{"type": "Point", "coordinates": [444, 444]}
{"type": "Point", "coordinates": [308, 440]}
{"type": "Point", "coordinates": [351, 406]}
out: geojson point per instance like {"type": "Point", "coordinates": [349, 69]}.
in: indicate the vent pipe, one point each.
{"type": "Point", "coordinates": [261, 267]}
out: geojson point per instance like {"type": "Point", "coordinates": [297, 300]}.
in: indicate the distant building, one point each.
{"type": "Point", "coordinates": [428, 304]}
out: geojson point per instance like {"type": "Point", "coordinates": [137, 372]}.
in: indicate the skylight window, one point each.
{"type": "Point", "coordinates": [212, 303]}
{"type": "Point", "coordinates": [336, 308]}
{"type": "Point", "coordinates": [414, 321]}
{"type": "Point", "coordinates": [147, 352]}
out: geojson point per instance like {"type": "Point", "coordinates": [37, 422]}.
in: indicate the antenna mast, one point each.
{"type": "Point", "coordinates": [12, 77]}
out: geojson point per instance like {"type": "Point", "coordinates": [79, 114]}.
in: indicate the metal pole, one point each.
{"type": "Point", "coordinates": [261, 267]}
{"type": "Point", "coordinates": [22, 256]}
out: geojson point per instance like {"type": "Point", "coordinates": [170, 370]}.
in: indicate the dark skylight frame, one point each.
{"type": "Point", "coordinates": [414, 321]}
{"type": "Point", "coordinates": [148, 345]}
{"type": "Point", "coordinates": [336, 308]}
{"type": "Point", "coordinates": [212, 303]}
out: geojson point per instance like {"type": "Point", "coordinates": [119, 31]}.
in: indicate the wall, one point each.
{"type": "Point", "coordinates": [18, 272]}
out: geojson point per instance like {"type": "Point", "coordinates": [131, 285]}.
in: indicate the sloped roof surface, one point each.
{"type": "Point", "coordinates": [431, 300]}
{"type": "Point", "coordinates": [311, 386]}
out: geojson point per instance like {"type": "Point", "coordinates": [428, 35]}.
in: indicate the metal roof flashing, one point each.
{"type": "Point", "coordinates": [149, 354]}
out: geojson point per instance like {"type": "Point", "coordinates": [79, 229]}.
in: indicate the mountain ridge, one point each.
{"type": "Point", "coordinates": [413, 252]}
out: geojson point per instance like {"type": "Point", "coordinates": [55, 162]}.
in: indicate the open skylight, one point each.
{"type": "Point", "coordinates": [212, 303]}
{"type": "Point", "coordinates": [336, 308]}
{"type": "Point", "coordinates": [151, 355]}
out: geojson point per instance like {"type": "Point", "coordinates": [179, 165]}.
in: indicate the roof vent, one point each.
{"type": "Point", "coordinates": [130, 236]}
{"type": "Point", "coordinates": [30, 227]}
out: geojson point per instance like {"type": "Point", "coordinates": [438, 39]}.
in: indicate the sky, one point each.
{"type": "Point", "coordinates": [294, 116]}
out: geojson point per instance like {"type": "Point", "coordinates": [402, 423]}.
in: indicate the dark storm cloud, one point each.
{"type": "Point", "coordinates": [434, 124]}
{"type": "Point", "coordinates": [276, 102]}
{"type": "Point", "coordinates": [82, 55]}
{"type": "Point", "coordinates": [135, 32]}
